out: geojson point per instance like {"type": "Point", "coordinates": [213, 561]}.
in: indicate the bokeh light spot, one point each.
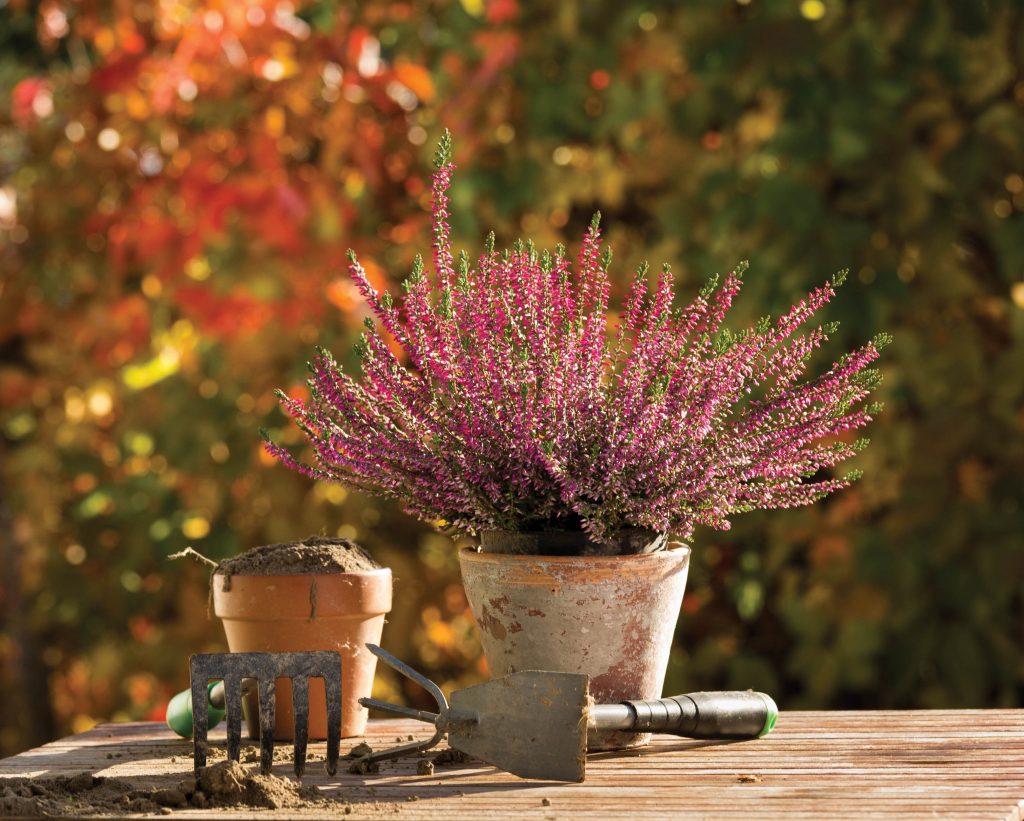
{"type": "Point", "coordinates": [141, 444]}
{"type": "Point", "coordinates": [20, 425]}
{"type": "Point", "coordinates": [273, 70]}
{"type": "Point", "coordinates": [95, 504]}
{"type": "Point", "coordinates": [1017, 294]}
{"type": "Point", "coordinates": [712, 140]}
{"type": "Point", "coordinates": [334, 493]}
{"type": "Point", "coordinates": [812, 9]}
{"type": "Point", "coordinates": [150, 163]}
{"type": "Point", "coordinates": [198, 268]}
{"type": "Point", "coordinates": [83, 723]}
{"type": "Point", "coordinates": [8, 205]}
{"type": "Point", "coordinates": [108, 139]}
{"type": "Point", "coordinates": [75, 554]}
{"type": "Point", "coordinates": [151, 286]}
{"type": "Point", "coordinates": [100, 402]}
{"type": "Point", "coordinates": [74, 131]}
{"type": "Point", "coordinates": [131, 581]}
{"type": "Point", "coordinates": [188, 90]}
{"type": "Point", "coordinates": [42, 104]}
{"type": "Point", "coordinates": [195, 527]}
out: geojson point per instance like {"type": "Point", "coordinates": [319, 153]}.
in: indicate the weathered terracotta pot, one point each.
{"type": "Point", "coordinates": [331, 611]}
{"type": "Point", "coordinates": [610, 617]}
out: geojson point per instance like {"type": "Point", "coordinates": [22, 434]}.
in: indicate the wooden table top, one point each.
{"type": "Point", "coordinates": [962, 764]}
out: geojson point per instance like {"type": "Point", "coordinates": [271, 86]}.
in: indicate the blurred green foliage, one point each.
{"type": "Point", "coordinates": [887, 137]}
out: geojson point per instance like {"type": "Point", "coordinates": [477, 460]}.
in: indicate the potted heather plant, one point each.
{"type": "Point", "coordinates": [582, 453]}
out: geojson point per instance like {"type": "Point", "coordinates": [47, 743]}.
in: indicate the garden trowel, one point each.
{"type": "Point", "coordinates": [534, 723]}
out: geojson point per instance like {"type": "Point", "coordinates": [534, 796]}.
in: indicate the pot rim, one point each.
{"type": "Point", "coordinates": [377, 571]}
{"type": "Point", "coordinates": [473, 554]}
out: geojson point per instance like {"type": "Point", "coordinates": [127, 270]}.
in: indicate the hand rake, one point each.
{"type": "Point", "coordinates": [189, 712]}
{"type": "Point", "coordinates": [534, 723]}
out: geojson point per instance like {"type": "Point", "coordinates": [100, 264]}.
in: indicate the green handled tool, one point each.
{"type": "Point", "coordinates": [534, 723]}
{"type": "Point", "coordinates": [179, 709]}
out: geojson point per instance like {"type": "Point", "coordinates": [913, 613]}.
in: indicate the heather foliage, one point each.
{"type": "Point", "coordinates": [521, 409]}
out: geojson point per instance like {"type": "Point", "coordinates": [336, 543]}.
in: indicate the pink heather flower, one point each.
{"type": "Point", "coordinates": [517, 411]}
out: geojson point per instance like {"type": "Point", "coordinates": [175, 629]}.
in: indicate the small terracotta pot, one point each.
{"type": "Point", "coordinates": [331, 611]}
{"type": "Point", "coordinates": [611, 618]}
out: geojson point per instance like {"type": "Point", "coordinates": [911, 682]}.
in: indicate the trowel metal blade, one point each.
{"type": "Point", "coordinates": [532, 724]}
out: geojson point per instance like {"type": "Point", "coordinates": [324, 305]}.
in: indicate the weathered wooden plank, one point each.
{"type": "Point", "coordinates": [962, 764]}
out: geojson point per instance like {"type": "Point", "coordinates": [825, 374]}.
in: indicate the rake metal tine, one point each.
{"type": "Point", "coordinates": [267, 716]}
{"type": "Point", "coordinates": [332, 686]}
{"type": "Point", "coordinates": [300, 709]}
{"type": "Point", "coordinates": [233, 706]}
{"type": "Point", "coordinates": [200, 717]}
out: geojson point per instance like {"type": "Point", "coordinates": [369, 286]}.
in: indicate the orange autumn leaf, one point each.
{"type": "Point", "coordinates": [298, 391]}
{"type": "Point", "coordinates": [416, 78]}
{"type": "Point", "coordinates": [377, 276]}
{"type": "Point", "coordinates": [339, 294]}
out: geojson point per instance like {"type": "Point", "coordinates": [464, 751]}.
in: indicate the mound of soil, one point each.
{"type": "Point", "coordinates": [230, 784]}
{"type": "Point", "coordinates": [316, 554]}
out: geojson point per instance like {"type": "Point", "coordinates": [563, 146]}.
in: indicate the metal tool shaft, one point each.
{"type": "Point", "coordinates": [398, 710]}
{"type": "Point", "coordinates": [611, 717]}
{"type": "Point", "coordinates": [438, 719]}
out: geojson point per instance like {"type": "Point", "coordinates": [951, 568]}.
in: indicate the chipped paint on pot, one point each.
{"type": "Point", "coordinates": [611, 618]}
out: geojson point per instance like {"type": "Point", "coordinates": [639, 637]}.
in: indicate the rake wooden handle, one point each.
{"type": "Point", "coordinates": [722, 714]}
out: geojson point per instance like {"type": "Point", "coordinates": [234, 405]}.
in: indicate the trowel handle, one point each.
{"type": "Point", "coordinates": [722, 714]}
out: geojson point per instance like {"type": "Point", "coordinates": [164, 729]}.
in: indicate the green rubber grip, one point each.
{"type": "Point", "coordinates": [179, 712]}
{"type": "Point", "coordinates": [771, 716]}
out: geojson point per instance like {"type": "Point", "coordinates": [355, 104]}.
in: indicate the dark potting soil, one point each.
{"type": "Point", "coordinates": [225, 784]}
{"type": "Point", "coordinates": [317, 554]}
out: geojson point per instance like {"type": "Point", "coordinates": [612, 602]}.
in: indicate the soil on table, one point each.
{"type": "Point", "coordinates": [225, 784]}
{"type": "Point", "coordinates": [316, 554]}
